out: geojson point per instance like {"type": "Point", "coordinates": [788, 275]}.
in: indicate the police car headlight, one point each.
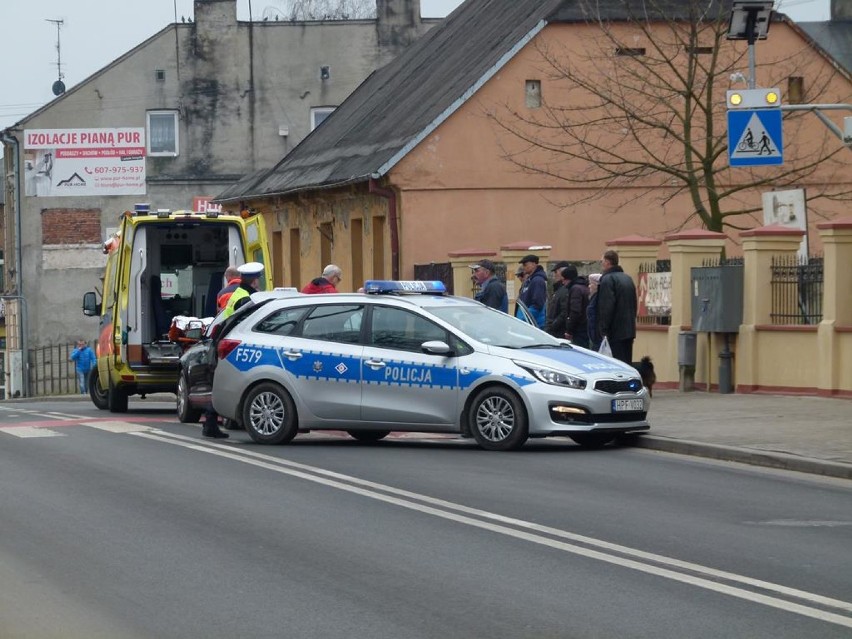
{"type": "Point", "coordinates": [551, 376]}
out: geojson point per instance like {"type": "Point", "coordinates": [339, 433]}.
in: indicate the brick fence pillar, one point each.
{"type": "Point", "coordinates": [837, 302]}
{"type": "Point", "coordinates": [760, 245]}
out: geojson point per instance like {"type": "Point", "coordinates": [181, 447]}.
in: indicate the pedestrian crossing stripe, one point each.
{"type": "Point", "coordinates": [754, 137]}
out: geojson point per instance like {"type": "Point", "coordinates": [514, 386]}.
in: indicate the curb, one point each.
{"type": "Point", "coordinates": [751, 456]}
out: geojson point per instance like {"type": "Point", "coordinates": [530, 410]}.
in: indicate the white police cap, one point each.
{"type": "Point", "coordinates": [252, 269]}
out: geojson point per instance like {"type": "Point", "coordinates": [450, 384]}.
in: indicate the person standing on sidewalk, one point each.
{"type": "Point", "coordinates": [84, 358]}
{"type": "Point", "coordinates": [534, 289]}
{"type": "Point", "coordinates": [557, 307]}
{"type": "Point", "coordinates": [592, 312]}
{"type": "Point", "coordinates": [576, 328]}
{"type": "Point", "coordinates": [491, 290]}
{"type": "Point", "coordinates": [616, 308]}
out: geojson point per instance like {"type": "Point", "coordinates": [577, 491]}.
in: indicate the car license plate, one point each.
{"type": "Point", "coordinates": [627, 405]}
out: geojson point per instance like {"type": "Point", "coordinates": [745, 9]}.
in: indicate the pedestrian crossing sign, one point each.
{"type": "Point", "coordinates": [754, 137]}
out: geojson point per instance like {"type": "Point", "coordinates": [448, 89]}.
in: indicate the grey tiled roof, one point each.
{"type": "Point", "coordinates": [397, 106]}
{"type": "Point", "coordinates": [834, 37]}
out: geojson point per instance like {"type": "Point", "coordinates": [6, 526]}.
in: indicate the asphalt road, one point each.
{"type": "Point", "coordinates": [134, 526]}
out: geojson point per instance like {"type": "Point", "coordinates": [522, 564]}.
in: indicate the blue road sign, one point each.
{"type": "Point", "coordinates": [754, 137]}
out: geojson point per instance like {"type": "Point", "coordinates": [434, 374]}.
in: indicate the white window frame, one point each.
{"type": "Point", "coordinates": [160, 112]}
{"type": "Point", "coordinates": [324, 111]}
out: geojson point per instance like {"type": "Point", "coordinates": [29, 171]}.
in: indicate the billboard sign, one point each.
{"type": "Point", "coordinates": [79, 162]}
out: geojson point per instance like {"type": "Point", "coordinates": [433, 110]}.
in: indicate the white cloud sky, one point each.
{"type": "Point", "coordinates": [96, 32]}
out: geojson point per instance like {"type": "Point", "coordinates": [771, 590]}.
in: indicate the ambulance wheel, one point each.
{"type": "Point", "coordinates": [116, 399]}
{"type": "Point", "coordinates": [97, 392]}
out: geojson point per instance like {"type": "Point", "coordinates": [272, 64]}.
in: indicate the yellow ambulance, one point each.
{"type": "Point", "coordinates": [160, 264]}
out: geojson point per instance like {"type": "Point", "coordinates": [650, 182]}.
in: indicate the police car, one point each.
{"type": "Point", "coordinates": [405, 356]}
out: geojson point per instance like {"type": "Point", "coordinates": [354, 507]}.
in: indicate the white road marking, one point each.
{"type": "Point", "coordinates": [803, 523]}
{"type": "Point", "coordinates": [444, 510]}
{"type": "Point", "coordinates": [26, 432]}
{"type": "Point", "coordinates": [117, 427]}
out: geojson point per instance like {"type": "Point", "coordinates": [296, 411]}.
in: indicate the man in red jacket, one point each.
{"type": "Point", "coordinates": [331, 276]}
{"type": "Point", "coordinates": [232, 277]}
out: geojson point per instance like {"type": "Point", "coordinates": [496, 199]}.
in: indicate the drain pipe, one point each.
{"type": "Point", "coordinates": [390, 196]}
{"type": "Point", "coordinates": [10, 140]}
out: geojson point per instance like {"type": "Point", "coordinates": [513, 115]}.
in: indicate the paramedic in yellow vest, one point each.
{"type": "Point", "coordinates": [249, 279]}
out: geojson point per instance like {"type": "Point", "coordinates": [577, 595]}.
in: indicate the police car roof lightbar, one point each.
{"type": "Point", "coordinates": [401, 287]}
{"type": "Point", "coordinates": [142, 208]}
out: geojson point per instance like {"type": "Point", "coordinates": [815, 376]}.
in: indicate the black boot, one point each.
{"type": "Point", "coordinates": [211, 428]}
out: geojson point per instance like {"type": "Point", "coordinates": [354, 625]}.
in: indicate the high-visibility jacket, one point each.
{"type": "Point", "coordinates": [225, 294]}
{"type": "Point", "coordinates": [237, 299]}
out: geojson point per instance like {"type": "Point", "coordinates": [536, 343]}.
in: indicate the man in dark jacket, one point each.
{"type": "Point", "coordinates": [616, 308]}
{"type": "Point", "coordinates": [557, 307]}
{"type": "Point", "coordinates": [491, 290]}
{"type": "Point", "coordinates": [576, 328]}
{"type": "Point", "coordinates": [534, 290]}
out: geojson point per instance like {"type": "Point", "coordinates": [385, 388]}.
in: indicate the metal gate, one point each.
{"type": "Point", "coordinates": [441, 271]}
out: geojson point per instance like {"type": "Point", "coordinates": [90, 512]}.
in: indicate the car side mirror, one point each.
{"type": "Point", "coordinates": [90, 304]}
{"type": "Point", "coordinates": [436, 348]}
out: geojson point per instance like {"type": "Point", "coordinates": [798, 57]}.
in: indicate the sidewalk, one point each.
{"type": "Point", "coordinates": [808, 434]}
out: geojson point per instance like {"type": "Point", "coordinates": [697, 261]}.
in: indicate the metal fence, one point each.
{"type": "Point", "coordinates": [797, 290]}
{"type": "Point", "coordinates": [440, 271]}
{"type": "Point", "coordinates": [51, 372]}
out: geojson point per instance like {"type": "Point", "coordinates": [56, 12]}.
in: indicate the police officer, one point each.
{"type": "Point", "coordinates": [249, 279]}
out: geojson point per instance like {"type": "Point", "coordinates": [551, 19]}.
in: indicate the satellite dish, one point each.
{"type": "Point", "coordinates": [58, 87]}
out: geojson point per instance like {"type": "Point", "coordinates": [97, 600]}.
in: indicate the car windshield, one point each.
{"type": "Point", "coordinates": [493, 327]}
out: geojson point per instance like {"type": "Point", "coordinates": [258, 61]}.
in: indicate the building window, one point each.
{"type": "Point", "coordinates": [699, 50]}
{"type": "Point", "coordinates": [163, 133]}
{"type": "Point", "coordinates": [795, 90]}
{"type": "Point", "coordinates": [532, 94]}
{"type": "Point", "coordinates": [319, 114]}
{"type": "Point", "coordinates": [630, 51]}
{"type": "Point", "coordinates": [160, 75]}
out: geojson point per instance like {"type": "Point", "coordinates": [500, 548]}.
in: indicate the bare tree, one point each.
{"type": "Point", "coordinates": [639, 105]}
{"type": "Point", "coordinates": [298, 10]}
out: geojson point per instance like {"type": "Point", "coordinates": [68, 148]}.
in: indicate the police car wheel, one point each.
{"type": "Point", "coordinates": [368, 435]}
{"type": "Point", "coordinates": [97, 392]}
{"type": "Point", "coordinates": [592, 440]}
{"type": "Point", "coordinates": [498, 420]}
{"type": "Point", "coordinates": [187, 414]}
{"type": "Point", "coordinates": [269, 414]}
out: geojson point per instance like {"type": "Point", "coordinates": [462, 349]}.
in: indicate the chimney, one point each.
{"type": "Point", "coordinates": [398, 22]}
{"type": "Point", "coordinates": [841, 10]}
{"type": "Point", "coordinates": [211, 15]}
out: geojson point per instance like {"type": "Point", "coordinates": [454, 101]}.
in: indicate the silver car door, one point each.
{"type": "Point", "coordinates": [321, 363]}
{"type": "Point", "coordinates": [401, 383]}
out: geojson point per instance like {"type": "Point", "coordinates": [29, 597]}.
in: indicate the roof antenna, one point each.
{"type": "Point", "coordinates": [59, 85]}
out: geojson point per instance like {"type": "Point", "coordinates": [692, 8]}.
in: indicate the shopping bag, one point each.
{"type": "Point", "coordinates": [605, 349]}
